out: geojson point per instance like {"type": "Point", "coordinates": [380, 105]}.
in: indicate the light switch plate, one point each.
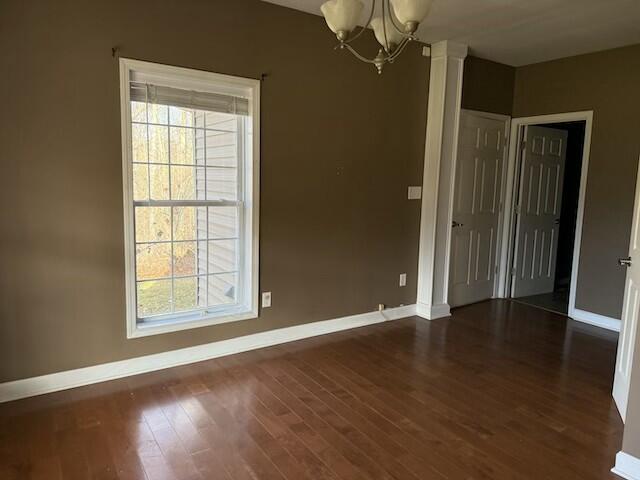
{"type": "Point", "coordinates": [403, 279]}
{"type": "Point", "coordinates": [415, 193]}
{"type": "Point", "coordinates": [266, 299]}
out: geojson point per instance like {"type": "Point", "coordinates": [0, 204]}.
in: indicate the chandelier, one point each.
{"type": "Point", "coordinates": [393, 30]}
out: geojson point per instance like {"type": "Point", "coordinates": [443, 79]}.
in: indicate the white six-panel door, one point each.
{"type": "Point", "coordinates": [630, 312]}
{"type": "Point", "coordinates": [538, 210]}
{"type": "Point", "coordinates": [476, 207]}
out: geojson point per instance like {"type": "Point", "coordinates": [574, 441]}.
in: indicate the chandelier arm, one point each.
{"type": "Point", "coordinates": [356, 54]}
{"type": "Point", "coordinates": [393, 22]}
{"type": "Point", "coordinates": [366, 25]}
{"type": "Point", "coordinates": [384, 29]}
{"type": "Point", "coordinates": [399, 50]}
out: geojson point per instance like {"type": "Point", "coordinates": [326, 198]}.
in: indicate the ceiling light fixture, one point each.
{"type": "Point", "coordinates": [393, 30]}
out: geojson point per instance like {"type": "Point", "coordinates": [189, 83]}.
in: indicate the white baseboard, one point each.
{"type": "Point", "coordinates": [595, 319]}
{"type": "Point", "coordinates": [627, 466]}
{"type": "Point", "coordinates": [54, 382]}
{"type": "Point", "coordinates": [432, 312]}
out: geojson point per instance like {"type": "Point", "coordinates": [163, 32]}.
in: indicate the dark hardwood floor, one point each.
{"type": "Point", "coordinates": [498, 391]}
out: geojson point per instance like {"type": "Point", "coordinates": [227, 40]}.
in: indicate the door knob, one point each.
{"type": "Point", "coordinates": [455, 224]}
{"type": "Point", "coordinates": [624, 262]}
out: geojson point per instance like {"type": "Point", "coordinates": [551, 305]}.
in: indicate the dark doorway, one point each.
{"type": "Point", "coordinates": [558, 299]}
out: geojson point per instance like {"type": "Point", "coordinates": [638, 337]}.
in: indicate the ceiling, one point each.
{"type": "Point", "coordinates": [521, 32]}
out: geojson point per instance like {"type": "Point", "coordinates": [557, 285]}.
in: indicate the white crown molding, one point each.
{"type": "Point", "coordinates": [54, 382]}
{"type": "Point", "coordinates": [627, 466]}
{"type": "Point", "coordinates": [595, 319]}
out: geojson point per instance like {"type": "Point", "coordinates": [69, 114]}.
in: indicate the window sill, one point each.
{"type": "Point", "coordinates": [158, 327]}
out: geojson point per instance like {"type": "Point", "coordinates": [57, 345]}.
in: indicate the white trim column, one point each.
{"type": "Point", "coordinates": [443, 115]}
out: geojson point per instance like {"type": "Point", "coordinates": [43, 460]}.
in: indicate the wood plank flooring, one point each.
{"type": "Point", "coordinates": [498, 391]}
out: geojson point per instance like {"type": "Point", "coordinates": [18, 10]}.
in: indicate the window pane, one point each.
{"type": "Point", "coordinates": [181, 116]}
{"type": "Point", "coordinates": [189, 223]}
{"type": "Point", "coordinates": [221, 184]}
{"type": "Point", "coordinates": [138, 112]}
{"type": "Point", "coordinates": [159, 176]}
{"type": "Point", "coordinates": [186, 291]}
{"type": "Point", "coordinates": [182, 151]}
{"type": "Point", "coordinates": [140, 182]}
{"type": "Point", "coordinates": [202, 267]}
{"type": "Point", "coordinates": [154, 297]}
{"type": "Point", "coordinates": [199, 152]}
{"type": "Point", "coordinates": [183, 183]}
{"type": "Point", "coordinates": [186, 256]}
{"type": "Point", "coordinates": [222, 289]}
{"type": "Point", "coordinates": [153, 260]}
{"type": "Point", "coordinates": [139, 143]}
{"type": "Point", "coordinates": [222, 256]}
{"type": "Point", "coordinates": [222, 149]}
{"type": "Point", "coordinates": [221, 121]}
{"type": "Point", "coordinates": [202, 291]}
{"type": "Point", "coordinates": [198, 116]}
{"type": "Point", "coordinates": [223, 222]}
{"type": "Point", "coordinates": [153, 224]}
{"type": "Point", "coordinates": [158, 144]}
{"type": "Point", "coordinates": [158, 113]}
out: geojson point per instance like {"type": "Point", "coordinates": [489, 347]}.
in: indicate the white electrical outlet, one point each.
{"type": "Point", "coordinates": [403, 279]}
{"type": "Point", "coordinates": [266, 299]}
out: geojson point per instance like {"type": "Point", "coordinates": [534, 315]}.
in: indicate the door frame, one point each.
{"type": "Point", "coordinates": [506, 119]}
{"type": "Point", "coordinates": [512, 177]}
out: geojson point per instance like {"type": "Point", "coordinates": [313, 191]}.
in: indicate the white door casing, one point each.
{"type": "Point", "coordinates": [509, 218]}
{"type": "Point", "coordinates": [543, 159]}
{"type": "Point", "coordinates": [482, 148]}
{"type": "Point", "coordinates": [630, 312]}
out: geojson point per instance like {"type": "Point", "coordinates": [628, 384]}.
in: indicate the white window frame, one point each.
{"type": "Point", "coordinates": [250, 169]}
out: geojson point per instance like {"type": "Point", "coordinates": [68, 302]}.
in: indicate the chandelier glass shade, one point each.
{"type": "Point", "coordinates": [393, 30]}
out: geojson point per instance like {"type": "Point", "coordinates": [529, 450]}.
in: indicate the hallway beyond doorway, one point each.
{"type": "Point", "coordinates": [556, 301]}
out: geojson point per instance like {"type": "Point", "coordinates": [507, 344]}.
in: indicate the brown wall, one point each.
{"type": "Point", "coordinates": [340, 145]}
{"type": "Point", "coordinates": [607, 83]}
{"type": "Point", "coordinates": [487, 86]}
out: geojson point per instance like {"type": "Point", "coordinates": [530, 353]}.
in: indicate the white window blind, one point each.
{"type": "Point", "coordinates": [190, 99]}
{"type": "Point", "coordinates": [190, 162]}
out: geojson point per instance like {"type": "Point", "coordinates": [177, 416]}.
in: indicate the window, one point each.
{"type": "Point", "coordinates": [190, 175]}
